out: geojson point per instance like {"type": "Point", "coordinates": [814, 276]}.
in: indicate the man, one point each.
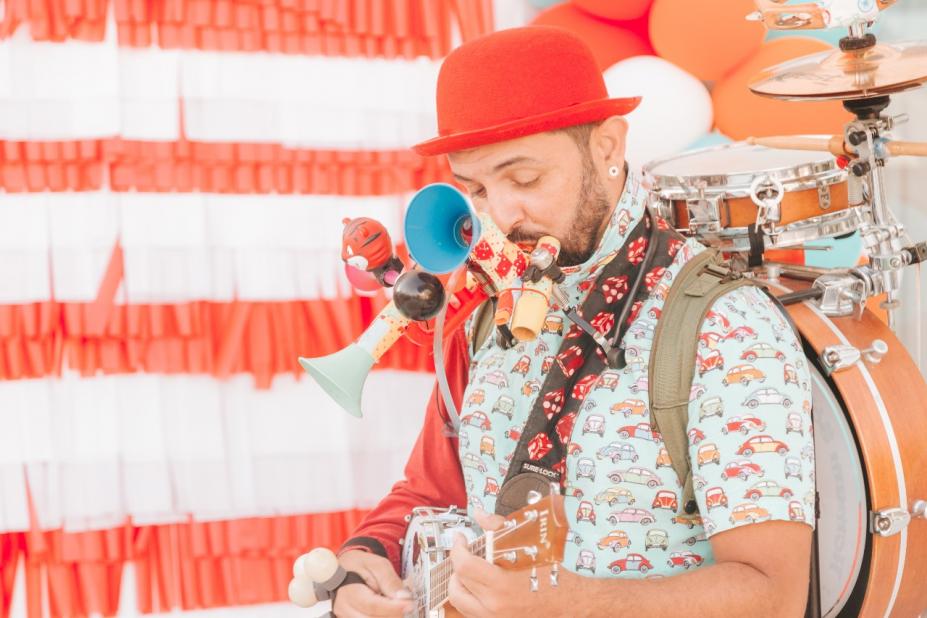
{"type": "Point", "coordinates": [527, 126]}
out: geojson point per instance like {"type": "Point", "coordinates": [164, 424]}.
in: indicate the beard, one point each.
{"type": "Point", "coordinates": [591, 208]}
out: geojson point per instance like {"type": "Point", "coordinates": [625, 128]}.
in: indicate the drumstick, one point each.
{"type": "Point", "coordinates": [835, 145]}
{"type": "Point", "coordinates": [910, 149]}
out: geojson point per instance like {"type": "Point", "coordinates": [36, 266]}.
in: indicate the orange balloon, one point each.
{"type": "Point", "coordinates": [707, 38]}
{"type": "Point", "coordinates": [610, 9]}
{"type": "Point", "coordinates": [739, 113]}
{"type": "Point", "coordinates": [610, 42]}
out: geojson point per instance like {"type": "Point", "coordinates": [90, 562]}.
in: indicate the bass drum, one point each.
{"type": "Point", "coordinates": [870, 457]}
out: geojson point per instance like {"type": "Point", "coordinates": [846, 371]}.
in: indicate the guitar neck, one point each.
{"type": "Point", "coordinates": [439, 578]}
{"type": "Point", "coordinates": [530, 537]}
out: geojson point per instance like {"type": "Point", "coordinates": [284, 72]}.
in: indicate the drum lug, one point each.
{"type": "Point", "coordinates": [824, 196]}
{"type": "Point", "coordinates": [767, 193]}
{"type": "Point", "coordinates": [839, 357]}
{"type": "Point", "coordinates": [841, 295]}
{"type": "Point", "coordinates": [919, 509]}
{"type": "Point", "coordinates": [888, 521]}
{"type": "Point", "coordinates": [704, 214]}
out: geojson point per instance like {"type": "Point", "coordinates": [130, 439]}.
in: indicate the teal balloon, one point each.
{"type": "Point", "coordinates": [708, 140]}
{"type": "Point", "coordinates": [842, 253]}
{"type": "Point", "coordinates": [543, 4]}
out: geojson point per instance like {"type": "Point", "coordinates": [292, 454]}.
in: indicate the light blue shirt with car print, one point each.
{"type": "Point", "coordinates": [750, 433]}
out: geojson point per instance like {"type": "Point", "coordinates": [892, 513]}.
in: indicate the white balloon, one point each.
{"type": "Point", "coordinates": [675, 108]}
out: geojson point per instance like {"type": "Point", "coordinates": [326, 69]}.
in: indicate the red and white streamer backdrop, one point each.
{"type": "Point", "coordinates": [173, 175]}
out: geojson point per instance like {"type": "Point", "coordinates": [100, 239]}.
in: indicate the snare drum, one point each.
{"type": "Point", "coordinates": [792, 196]}
{"type": "Point", "coordinates": [870, 467]}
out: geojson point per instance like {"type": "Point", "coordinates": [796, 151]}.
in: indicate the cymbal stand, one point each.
{"type": "Point", "coordinates": [845, 294]}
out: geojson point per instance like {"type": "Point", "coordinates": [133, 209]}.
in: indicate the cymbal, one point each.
{"type": "Point", "coordinates": [879, 70]}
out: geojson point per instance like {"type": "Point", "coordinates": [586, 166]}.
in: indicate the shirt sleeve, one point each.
{"type": "Point", "coordinates": [750, 433]}
{"type": "Point", "coordinates": [432, 474]}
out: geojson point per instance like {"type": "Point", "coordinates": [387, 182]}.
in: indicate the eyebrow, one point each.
{"type": "Point", "coordinates": [501, 166]}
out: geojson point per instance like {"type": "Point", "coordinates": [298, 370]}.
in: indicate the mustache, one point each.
{"type": "Point", "coordinates": [523, 237]}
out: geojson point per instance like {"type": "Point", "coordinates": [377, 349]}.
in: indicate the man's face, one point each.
{"type": "Point", "coordinates": [542, 184]}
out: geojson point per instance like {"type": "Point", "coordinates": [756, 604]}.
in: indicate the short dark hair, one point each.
{"type": "Point", "coordinates": [580, 134]}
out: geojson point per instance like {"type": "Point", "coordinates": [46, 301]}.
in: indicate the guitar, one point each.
{"type": "Point", "coordinates": [531, 537]}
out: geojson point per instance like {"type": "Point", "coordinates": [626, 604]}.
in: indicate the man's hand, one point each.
{"type": "Point", "coordinates": [382, 596]}
{"type": "Point", "coordinates": [478, 588]}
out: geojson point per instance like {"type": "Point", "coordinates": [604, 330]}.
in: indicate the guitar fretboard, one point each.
{"type": "Point", "coordinates": [439, 578]}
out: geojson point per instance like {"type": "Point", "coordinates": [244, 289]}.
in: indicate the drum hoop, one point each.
{"type": "Point", "coordinates": [890, 440]}
{"type": "Point", "coordinates": [800, 177]}
{"type": "Point", "coordinates": [855, 216]}
{"type": "Point", "coordinates": [820, 375]}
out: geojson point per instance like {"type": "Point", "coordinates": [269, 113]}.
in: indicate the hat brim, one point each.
{"type": "Point", "coordinates": [589, 111]}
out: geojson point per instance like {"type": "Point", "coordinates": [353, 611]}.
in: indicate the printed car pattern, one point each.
{"type": "Point", "coordinates": [752, 454]}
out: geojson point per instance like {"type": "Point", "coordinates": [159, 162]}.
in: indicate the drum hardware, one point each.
{"type": "Point", "coordinates": [802, 272]}
{"type": "Point", "coordinates": [801, 295]}
{"type": "Point", "coordinates": [842, 294]}
{"type": "Point", "coordinates": [773, 271]}
{"type": "Point", "coordinates": [888, 522]}
{"type": "Point", "coordinates": [864, 148]}
{"type": "Point", "coordinates": [789, 198]}
{"type": "Point", "coordinates": [792, 17]}
{"type": "Point", "coordinates": [919, 509]}
{"type": "Point", "coordinates": [766, 192]}
{"type": "Point", "coordinates": [853, 14]}
{"type": "Point", "coordinates": [862, 75]}
{"type": "Point", "coordinates": [839, 357]}
{"type": "Point", "coordinates": [824, 197]}
{"type": "Point", "coordinates": [704, 215]}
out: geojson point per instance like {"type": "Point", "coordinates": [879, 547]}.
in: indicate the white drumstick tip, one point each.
{"type": "Point", "coordinates": [320, 565]}
{"type": "Point", "coordinates": [301, 592]}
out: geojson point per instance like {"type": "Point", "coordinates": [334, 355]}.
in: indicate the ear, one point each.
{"type": "Point", "coordinates": [608, 142]}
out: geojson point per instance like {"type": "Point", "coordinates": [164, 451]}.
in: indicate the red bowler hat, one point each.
{"type": "Point", "coordinates": [518, 82]}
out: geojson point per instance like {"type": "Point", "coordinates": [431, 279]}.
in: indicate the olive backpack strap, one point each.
{"type": "Point", "coordinates": [700, 282]}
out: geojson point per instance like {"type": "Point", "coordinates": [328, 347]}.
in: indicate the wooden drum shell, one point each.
{"type": "Point", "coordinates": [887, 407]}
{"type": "Point", "coordinates": [738, 212]}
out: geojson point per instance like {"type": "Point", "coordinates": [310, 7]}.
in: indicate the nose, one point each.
{"type": "Point", "coordinates": [506, 210]}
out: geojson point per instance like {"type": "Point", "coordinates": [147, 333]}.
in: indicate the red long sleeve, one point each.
{"type": "Point", "coordinates": [432, 475]}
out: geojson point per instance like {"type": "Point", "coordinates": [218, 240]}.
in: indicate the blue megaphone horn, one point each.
{"type": "Point", "coordinates": [441, 228]}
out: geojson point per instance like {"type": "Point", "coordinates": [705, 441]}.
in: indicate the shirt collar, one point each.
{"type": "Point", "coordinates": [626, 215]}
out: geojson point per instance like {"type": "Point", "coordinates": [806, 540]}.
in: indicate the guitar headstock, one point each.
{"type": "Point", "coordinates": [532, 536]}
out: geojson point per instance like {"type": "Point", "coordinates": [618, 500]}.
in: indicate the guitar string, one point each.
{"type": "Point", "coordinates": [439, 590]}
{"type": "Point", "coordinates": [444, 569]}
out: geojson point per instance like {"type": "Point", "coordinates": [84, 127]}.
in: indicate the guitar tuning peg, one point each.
{"type": "Point", "coordinates": [534, 579]}
{"type": "Point", "coordinates": [554, 573]}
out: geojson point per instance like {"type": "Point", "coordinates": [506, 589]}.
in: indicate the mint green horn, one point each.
{"type": "Point", "coordinates": [342, 375]}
